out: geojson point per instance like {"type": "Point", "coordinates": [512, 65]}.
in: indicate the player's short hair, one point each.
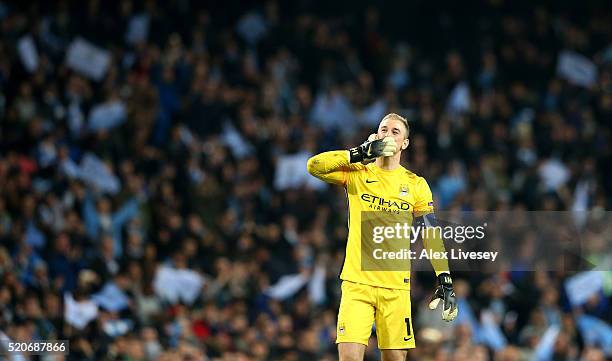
{"type": "Point", "coordinates": [401, 119]}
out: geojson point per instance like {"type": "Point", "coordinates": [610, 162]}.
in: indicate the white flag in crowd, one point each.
{"type": "Point", "coordinates": [88, 59]}
{"type": "Point", "coordinates": [28, 53]}
{"type": "Point", "coordinates": [107, 115]}
{"type": "Point", "coordinates": [459, 99]}
{"type": "Point", "coordinates": [92, 171]}
{"type": "Point", "coordinates": [291, 172]}
{"type": "Point", "coordinates": [577, 69]}
{"type": "Point", "coordinates": [95, 172]}
{"type": "Point", "coordinates": [582, 286]}
{"type": "Point", "coordinates": [79, 313]}
{"type": "Point", "coordinates": [175, 285]}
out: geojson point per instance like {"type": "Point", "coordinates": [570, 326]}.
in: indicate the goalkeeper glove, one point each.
{"type": "Point", "coordinates": [373, 149]}
{"type": "Point", "coordinates": [444, 292]}
{"type": "Point", "coordinates": [372, 137]}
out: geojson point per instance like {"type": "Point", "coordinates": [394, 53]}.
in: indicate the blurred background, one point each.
{"type": "Point", "coordinates": [154, 199]}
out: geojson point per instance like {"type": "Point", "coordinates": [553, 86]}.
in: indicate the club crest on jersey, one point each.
{"type": "Point", "coordinates": [403, 190]}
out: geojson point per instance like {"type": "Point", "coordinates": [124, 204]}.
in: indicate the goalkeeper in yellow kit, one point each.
{"type": "Point", "coordinates": [375, 181]}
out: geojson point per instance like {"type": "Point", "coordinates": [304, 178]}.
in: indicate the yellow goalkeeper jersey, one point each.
{"type": "Point", "coordinates": [370, 188]}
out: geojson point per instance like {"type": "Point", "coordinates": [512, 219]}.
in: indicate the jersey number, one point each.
{"type": "Point", "coordinates": [407, 320]}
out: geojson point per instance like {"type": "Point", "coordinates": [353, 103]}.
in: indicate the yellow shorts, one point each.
{"type": "Point", "coordinates": [362, 305]}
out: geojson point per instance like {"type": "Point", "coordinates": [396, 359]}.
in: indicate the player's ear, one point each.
{"type": "Point", "coordinates": [405, 143]}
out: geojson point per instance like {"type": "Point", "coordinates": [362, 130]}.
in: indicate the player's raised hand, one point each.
{"type": "Point", "coordinates": [444, 292]}
{"type": "Point", "coordinates": [373, 149]}
{"type": "Point", "coordinates": [372, 137]}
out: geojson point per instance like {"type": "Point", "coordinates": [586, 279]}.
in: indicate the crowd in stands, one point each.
{"type": "Point", "coordinates": [154, 198]}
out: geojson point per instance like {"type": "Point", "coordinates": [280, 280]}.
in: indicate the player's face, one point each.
{"type": "Point", "coordinates": [396, 129]}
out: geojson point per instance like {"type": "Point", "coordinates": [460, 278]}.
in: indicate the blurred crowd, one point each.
{"type": "Point", "coordinates": [154, 199]}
